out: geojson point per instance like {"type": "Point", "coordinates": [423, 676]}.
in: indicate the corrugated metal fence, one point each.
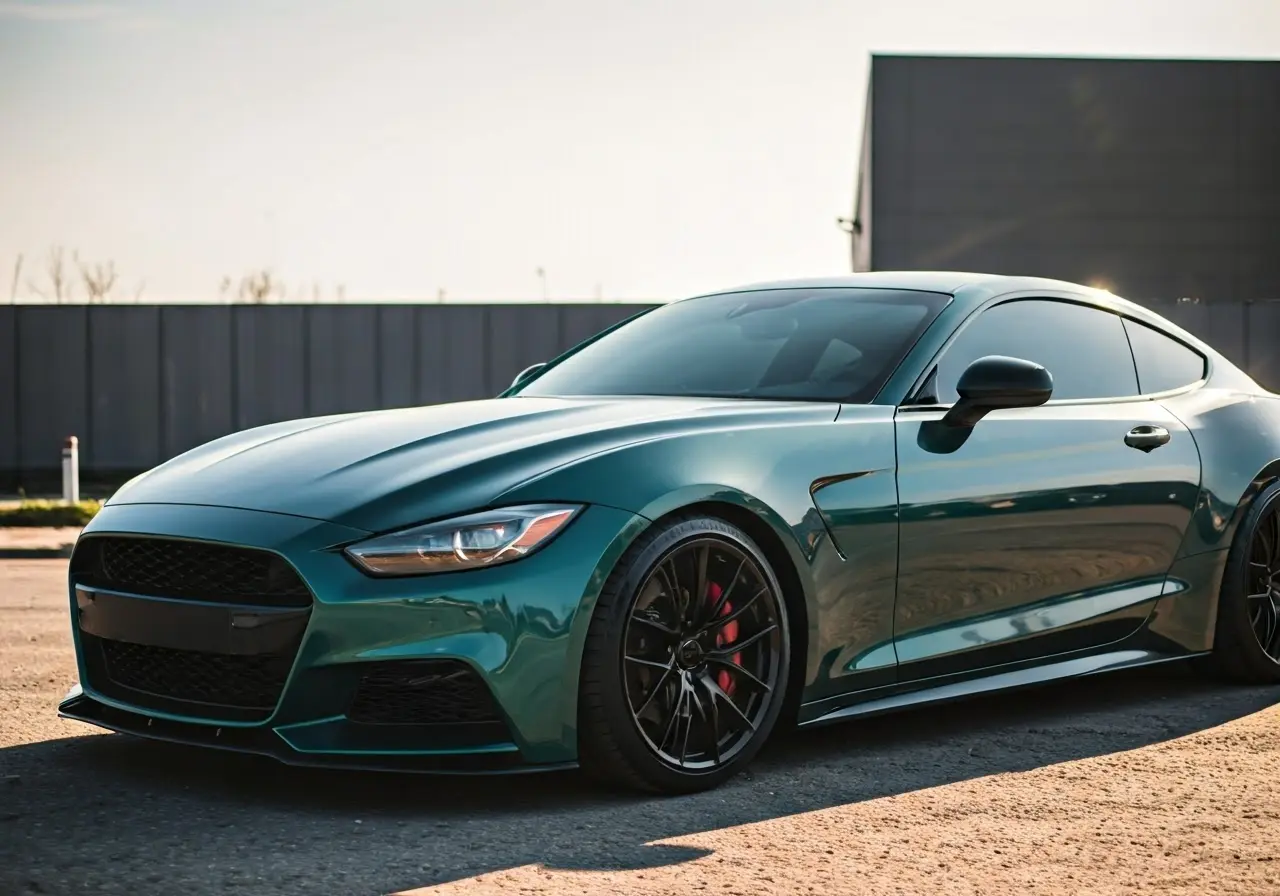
{"type": "Point", "coordinates": [139, 384]}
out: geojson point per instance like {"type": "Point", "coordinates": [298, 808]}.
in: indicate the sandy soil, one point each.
{"type": "Point", "coordinates": [1144, 782]}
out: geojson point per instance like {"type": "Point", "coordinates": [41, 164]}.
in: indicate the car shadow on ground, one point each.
{"type": "Point", "coordinates": [118, 814]}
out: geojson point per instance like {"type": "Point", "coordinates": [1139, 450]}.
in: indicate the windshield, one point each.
{"type": "Point", "coordinates": [832, 344]}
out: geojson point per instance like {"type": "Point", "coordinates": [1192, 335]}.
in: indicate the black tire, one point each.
{"type": "Point", "coordinates": [641, 660]}
{"type": "Point", "coordinates": [1253, 566]}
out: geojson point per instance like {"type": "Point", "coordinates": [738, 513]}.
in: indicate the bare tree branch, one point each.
{"type": "Point", "coordinates": [98, 280]}
{"type": "Point", "coordinates": [56, 269]}
{"type": "Point", "coordinates": [258, 286]}
{"type": "Point", "coordinates": [17, 273]}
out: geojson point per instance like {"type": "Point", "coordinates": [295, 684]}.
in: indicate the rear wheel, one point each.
{"type": "Point", "coordinates": [1247, 642]}
{"type": "Point", "coordinates": [686, 660]}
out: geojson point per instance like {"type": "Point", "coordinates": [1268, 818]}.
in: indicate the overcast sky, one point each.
{"type": "Point", "coordinates": [399, 147]}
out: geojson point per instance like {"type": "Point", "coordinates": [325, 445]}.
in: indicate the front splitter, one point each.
{"type": "Point", "coordinates": [267, 742]}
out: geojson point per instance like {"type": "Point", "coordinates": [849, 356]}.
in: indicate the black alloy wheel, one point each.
{"type": "Point", "coordinates": [1247, 636]}
{"type": "Point", "coordinates": [686, 665]}
{"type": "Point", "coordinates": [1262, 597]}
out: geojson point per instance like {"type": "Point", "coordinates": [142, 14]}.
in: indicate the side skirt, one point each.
{"type": "Point", "coordinates": [1000, 681]}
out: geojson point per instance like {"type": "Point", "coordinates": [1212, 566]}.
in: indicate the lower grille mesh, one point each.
{"type": "Point", "coordinates": [427, 692]}
{"type": "Point", "coordinates": [251, 683]}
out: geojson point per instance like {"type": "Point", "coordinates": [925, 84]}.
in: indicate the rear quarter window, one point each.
{"type": "Point", "coordinates": [1163, 362]}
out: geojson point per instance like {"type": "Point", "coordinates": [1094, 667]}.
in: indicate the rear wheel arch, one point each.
{"type": "Point", "coordinates": [1234, 652]}
{"type": "Point", "coordinates": [1264, 478]}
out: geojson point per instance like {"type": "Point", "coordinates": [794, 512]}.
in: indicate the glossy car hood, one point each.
{"type": "Point", "coordinates": [380, 470]}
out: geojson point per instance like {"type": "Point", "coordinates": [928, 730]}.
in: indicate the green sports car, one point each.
{"type": "Point", "coordinates": [788, 503]}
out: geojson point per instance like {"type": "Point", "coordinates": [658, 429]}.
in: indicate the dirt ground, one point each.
{"type": "Point", "coordinates": [1148, 782]}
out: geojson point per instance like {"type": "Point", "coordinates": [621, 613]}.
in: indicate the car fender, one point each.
{"type": "Point", "coordinates": [765, 472]}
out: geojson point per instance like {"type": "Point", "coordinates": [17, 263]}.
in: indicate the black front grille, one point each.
{"type": "Point", "coordinates": [188, 682]}
{"type": "Point", "coordinates": [168, 567]}
{"type": "Point", "coordinates": [422, 692]}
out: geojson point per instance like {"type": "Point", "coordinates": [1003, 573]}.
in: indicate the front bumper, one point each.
{"type": "Point", "coordinates": [519, 628]}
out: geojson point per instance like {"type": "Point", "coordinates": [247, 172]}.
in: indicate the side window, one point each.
{"type": "Point", "coordinates": [1084, 349]}
{"type": "Point", "coordinates": [1163, 362]}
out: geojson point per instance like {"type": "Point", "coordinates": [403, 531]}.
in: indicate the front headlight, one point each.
{"type": "Point", "coordinates": [488, 538]}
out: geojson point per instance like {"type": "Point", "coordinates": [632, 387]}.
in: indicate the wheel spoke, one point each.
{"type": "Point", "coordinates": [1274, 550]}
{"type": "Point", "coordinates": [724, 597]}
{"type": "Point", "coordinates": [657, 688]}
{"type": "Point", "coordinates": [711, 715]}
{"type": "Point", "coordinates": [729, 650]}
{"type": "Point", "coordinates": [700, 580]}
{"type": "Point", "coordinates": [675, 717]}
{"type": "Point", "coordinates": [737, 711]}
{"type": "Point", "coordinates": [688, 725]}
{"type": "Point", "coordinates": [654, 623]}
{"type": "Point", "coordinates": [719, 622]}
{"type": "Point", "coordinates": [650, 663]}
{"type": "Point", "coordinates": [1259, 596]}
{"type": "Point", "coordinates": [749, 676]}
{"type": "Point", "coordinates": [671, 587]}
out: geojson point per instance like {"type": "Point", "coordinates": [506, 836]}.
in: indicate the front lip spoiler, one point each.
{"type": "Point", "coordinates": [265, 742]}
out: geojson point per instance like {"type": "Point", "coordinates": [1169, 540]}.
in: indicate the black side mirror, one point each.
{"type": "Point", "coordinates": [995, 382]}
{"type": "Point", "coordinates": [527, 372]}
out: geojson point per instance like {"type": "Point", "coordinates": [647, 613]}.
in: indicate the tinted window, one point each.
{"type": "Point", "coordinates": [1163, 363]}
{"type": "Point", "coordinates": [810, 344]}
{"type": "Point", "coordinates": [1084, 349]}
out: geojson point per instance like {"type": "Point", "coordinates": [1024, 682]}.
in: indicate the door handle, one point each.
{"type": "Point", "coordinates": [1147, 438]}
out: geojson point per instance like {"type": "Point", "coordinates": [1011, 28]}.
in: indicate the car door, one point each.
{"type": "Point", "coordinates": [1040, 530]}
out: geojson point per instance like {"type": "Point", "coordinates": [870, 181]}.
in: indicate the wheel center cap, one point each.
{"type": "Point", "coordinates": [689, 654]}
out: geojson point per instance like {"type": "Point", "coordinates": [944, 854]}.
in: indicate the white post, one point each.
{"type": "Point", "coordinates": [71, 470]}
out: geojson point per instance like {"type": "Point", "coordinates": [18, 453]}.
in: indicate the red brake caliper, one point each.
{"type": "Point", "coordinates": [727, 634]}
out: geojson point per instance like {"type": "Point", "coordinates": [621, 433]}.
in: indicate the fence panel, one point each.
{"type": "Point", "coordinates": [10, 423]}
{"type": "Point", "coordinates": [342, 358]}
{"type": "Point", "coordinates": [53, 403]}
{"type": "Point", "coordinates": [453, 345]}
{"type": "Point", "coordinates": [197, 375]}
{"type": "Point", "coordinates": [124, 388]}
{"type": "Point", "coordinates": [270, 364]}
{"type": "Point", "coordinates": [397, 357]}
{"type": "Point", "coordinates": [520, 336]}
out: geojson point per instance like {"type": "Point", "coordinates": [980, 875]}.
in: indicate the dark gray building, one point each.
{"type": "Point", "coordinates": [1158, 179]}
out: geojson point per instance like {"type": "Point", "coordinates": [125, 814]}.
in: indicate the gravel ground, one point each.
{"type": "Point", "coordinates": [1144, 782]}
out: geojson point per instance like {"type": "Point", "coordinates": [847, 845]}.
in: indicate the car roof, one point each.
{"type": "Point", "coordinates": [950, 282]}
{"type": "Point", "coordinates": [968, 288]}
{"type": "Point", "coordinates": [971, 290]}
